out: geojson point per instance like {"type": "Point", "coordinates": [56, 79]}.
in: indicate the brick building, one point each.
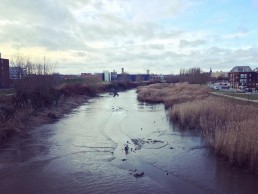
{"type": "Point", "coordinates": [243, 76]}
{"type": "Point", "coordinates": [4, 73]}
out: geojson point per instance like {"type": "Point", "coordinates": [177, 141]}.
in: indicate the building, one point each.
{"type": "Point", "coordinates": [114, 76]}
{"type": "Point", "coordinates": [106, 76]}
{"type": "Point", "coordinates": [4, 73]}
{"type": "Point", "coordinates": [243, 77]}
{"type": "Point", "coordinates": [90, 76]}
{"type": "Point", "coordinates": [218, 74]}
{"type": "Point", "coordinates": [69, 76]}
{"type": "Point", "coordinates": [17, 73]}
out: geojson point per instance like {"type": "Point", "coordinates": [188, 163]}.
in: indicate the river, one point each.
{"type": "Point", "coordinates": [84, 152]}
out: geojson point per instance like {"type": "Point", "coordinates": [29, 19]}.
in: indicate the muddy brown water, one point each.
{"type": "Point", "coordinates": [84, 153]}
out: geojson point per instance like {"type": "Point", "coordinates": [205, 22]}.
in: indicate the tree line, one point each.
{"type": "Point", "coordinates": [192, 76]}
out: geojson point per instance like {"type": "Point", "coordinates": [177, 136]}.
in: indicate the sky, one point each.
{"type": "Point", "coordinates": [162, 36]}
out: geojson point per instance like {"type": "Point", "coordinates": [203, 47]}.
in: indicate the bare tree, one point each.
{"type": "Point", "coordinates": [37, 89]}
{"type": "Point", "coordinates": [42, 66]}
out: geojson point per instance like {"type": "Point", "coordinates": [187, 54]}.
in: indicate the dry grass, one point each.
{"type": "Point", "coordinates": [24, 119]}
{"type": "Point", "coordinates": [171, 94]}
{"type": "Point", "coordinates": [27, 117]}
{"type": "Point", "coordinates": [229, 126]}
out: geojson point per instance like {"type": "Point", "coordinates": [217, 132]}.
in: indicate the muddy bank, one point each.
{"type": "Point", "coordinates": [26, 119]}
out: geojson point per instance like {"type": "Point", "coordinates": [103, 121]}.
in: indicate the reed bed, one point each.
{"type": "Point", "coordinates": [171, 94]}
{"type": "Point", "coordinates": [229, 126]}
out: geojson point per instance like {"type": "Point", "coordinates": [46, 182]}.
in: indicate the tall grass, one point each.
{"type": "Point", "coordinates": [171, 94]}
{"type": "Point", "coordinates": [229, 126]}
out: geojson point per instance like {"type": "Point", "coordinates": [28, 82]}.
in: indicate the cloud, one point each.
{"type": "Point", "coordinates": [92, 35]}
{"type": "Point", "coordinates": [195, 43]}
{"type": "Point", "coordinates": [237, 35]}
{"type": "Point", "coordinates": [160, 9]}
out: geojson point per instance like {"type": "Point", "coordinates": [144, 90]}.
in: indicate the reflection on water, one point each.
{"type": "Point", "coordinates": [147, 107]}
{"type": "Point", "coordinates": [85, 153]}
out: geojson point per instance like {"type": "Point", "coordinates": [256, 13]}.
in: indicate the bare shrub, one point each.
{"type": "Point", "coordinates": [78, 89]}
{"type": "Point", "coordinates": [36, 91]}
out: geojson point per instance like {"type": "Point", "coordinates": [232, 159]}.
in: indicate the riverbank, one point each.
{"type": "Point", "coordinates": [227, 125]}
{"type": "Point", "coordinates": [17, 116]}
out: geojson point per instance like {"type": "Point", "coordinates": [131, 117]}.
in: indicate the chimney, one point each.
{"type": "Point", "coordinates": [0, 55]}
{"type": "Point", "coordinates": [148, 72]}
{"type": "Point", "coordinates": [123, 71]}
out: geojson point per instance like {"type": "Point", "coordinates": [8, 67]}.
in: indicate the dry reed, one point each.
{"type": "Point", "coordinates": [229, 126]}
{"type": "Point", "coordinates": [171, 94]}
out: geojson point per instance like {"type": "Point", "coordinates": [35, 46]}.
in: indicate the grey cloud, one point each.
{"type": "Point", "coordinates": [171, 34]}
{"type": "Point", "coordinates": [50, 38]}
{"type": "Point", "coordinates": [48, 24]}
{"type": "Point", "coordinates": [108, 27]}
{"type": "Point", "coordinates": [50, 11]}
{"type": "Point", "coordinates": [79, 54]}
{"type": "Point", "coordinates": [129, 42]}
{"type": "Point", "coordinates": [170, 62]}
{"type": "Point", "coordinates": [195, 43]}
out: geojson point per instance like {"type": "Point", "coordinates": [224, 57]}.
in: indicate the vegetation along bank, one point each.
{"type": "Point", "coordinates": [41, 99]}
{"type": "Point", "coordinates": [229, 126]}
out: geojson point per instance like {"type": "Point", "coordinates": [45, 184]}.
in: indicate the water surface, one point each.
{"type": "Point", "coordinates": [85, 153]}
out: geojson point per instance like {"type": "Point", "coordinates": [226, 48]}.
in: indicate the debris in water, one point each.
{"type": "Point", "coordinates": [126, 148]}
{"type": "Point", "coordinates": [136, 173]}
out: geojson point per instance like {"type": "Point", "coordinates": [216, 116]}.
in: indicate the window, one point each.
{"type": "Point", "coordinates": [243, 75]}
{"type": "Point", "coordinates": [243, 81]}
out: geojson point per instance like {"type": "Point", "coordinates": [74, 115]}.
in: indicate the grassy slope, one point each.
{"type": "Point", "coordinates": [248, 96]}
